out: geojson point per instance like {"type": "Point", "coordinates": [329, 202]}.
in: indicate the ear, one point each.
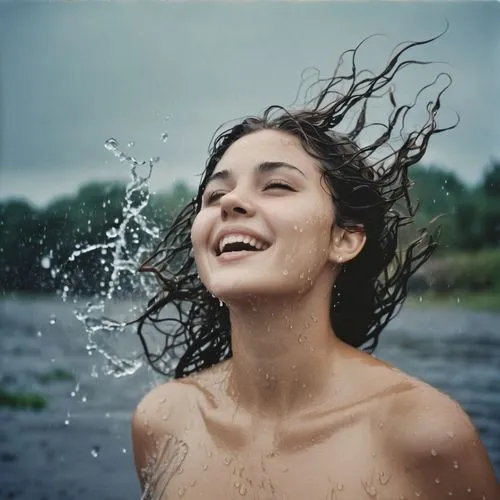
{"type": "Point", "coordinates": [346, 244]}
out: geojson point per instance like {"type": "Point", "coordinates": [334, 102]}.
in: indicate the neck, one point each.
{"type": "Point", "coordinates": [282, 354]}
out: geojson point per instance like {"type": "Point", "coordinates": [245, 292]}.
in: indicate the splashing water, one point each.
{"type": "Point", "coordinates": [126, 246]}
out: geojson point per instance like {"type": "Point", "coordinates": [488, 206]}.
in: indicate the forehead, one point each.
{"type": "Point", "coordinates": [266, 146]}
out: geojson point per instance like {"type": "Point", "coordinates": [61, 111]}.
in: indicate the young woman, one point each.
{"type": "Point", "coordinates": [286, 263]}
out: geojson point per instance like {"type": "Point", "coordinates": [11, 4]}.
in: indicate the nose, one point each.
{"type": "Point", "coordinates": [234, 203]}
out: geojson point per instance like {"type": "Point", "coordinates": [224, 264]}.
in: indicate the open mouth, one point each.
{"type": "Point", "coordinates": [239, 248]}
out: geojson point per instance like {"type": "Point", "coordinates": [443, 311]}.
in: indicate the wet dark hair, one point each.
{"type": "Point", "coordinates": [365, 192]}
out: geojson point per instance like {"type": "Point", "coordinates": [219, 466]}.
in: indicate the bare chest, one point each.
{"type": "Point", "coordinates": [346, 464]}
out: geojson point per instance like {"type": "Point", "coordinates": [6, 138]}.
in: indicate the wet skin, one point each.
{"type": "Point", "coordinates": [296, 413]}
{"type": "Point", "coordinates": [378, 434]}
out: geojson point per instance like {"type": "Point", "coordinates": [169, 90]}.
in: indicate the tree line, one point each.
{"type": "Point", "coordinates": [35, 243]}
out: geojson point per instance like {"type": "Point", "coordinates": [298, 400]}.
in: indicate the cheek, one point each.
{"type": "Point", "coordinates": [199, 231]}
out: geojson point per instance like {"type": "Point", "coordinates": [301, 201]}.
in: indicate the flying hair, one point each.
{"type": "Point", "coordinates": [370, 190]}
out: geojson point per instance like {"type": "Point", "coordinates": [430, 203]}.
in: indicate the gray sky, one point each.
{"type": "Point", "coordinates": [75, 74]}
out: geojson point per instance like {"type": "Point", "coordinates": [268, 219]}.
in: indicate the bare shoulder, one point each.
{"type": "Point", "coordinates": [157, 417]}
{"type": "Point", "coordinates": [433, 435]}
{"type": "Point", "coordinates": [162, 405]}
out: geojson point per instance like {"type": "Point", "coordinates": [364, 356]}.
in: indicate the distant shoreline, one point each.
{"type": "Point", "coordinates": [479, 301]}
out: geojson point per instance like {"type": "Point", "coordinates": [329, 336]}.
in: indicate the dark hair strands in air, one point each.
{"type": "Point", "coordinates": [373, 195]}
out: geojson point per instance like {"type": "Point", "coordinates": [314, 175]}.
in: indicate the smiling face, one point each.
{"type": "Point", "coordinates": [268, 186]}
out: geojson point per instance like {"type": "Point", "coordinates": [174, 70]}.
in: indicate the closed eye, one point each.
{"type": "Point", "coordinates": [279, 184]}
{"type": "Point", "coordinates": [217, 194]}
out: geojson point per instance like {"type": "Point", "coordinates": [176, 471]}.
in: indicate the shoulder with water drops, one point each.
{"type": "Point", "coordinates": [436, 441]}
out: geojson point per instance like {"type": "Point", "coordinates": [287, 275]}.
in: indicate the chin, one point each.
{"type": "Point", "coordinates": [253, 288]}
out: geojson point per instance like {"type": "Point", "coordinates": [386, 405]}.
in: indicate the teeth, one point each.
{"type": "Point", "coordinates": [233, 238]}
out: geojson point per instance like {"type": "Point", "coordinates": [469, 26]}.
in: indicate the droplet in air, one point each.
{"type": "Point", "coordinates": [111, 144]}
{"type": "Point", "coordinates": [45, 262]}
{"type": "Point", "coordinates": [95, 451]}
{"type": "Point", "coordinates": [164, 137]}
{"type": "Point", "coordinates": [131, 144]}
{"type": "Point", "coordinates": [39, 333]}
{"type": "Point", "coordinates": [52, 319]}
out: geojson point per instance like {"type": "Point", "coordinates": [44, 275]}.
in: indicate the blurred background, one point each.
{"type": "Point", "coordinates": [87, 88]}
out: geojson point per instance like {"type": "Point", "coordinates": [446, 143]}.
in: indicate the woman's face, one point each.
{"type": "Point", "coordinates": [269, 186]}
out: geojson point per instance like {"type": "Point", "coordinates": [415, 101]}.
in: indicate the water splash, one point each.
{"type": "Point", "coordinates": [128, 242]}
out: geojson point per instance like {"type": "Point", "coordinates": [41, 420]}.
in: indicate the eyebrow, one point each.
{"type": "Point", "coordinates": [266, 166]}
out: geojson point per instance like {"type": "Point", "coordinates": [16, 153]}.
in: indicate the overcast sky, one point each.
{"type": "Point", "coordinates": [74, 74]}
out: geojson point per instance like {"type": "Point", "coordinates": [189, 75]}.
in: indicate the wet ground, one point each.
{"type": "Point", "coordinates": [79, 446]}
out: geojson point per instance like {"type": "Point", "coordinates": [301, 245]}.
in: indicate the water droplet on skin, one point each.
{"type": "Point", "coordinates": [437, 480]}
{"type": "Point", "coordinates": [39, 333]}
{"type": "Point", "coordinates": [417, 493]}
{"type": "Point", "coordinates": [285, 273]}
{"type": "Point", "coordinates": [450, 434]}
{"type": "Point", "coordinates": [95, 451]}
{"type": "Point", "coordinates": [371, 491]}
{"type": "Point", "coordinates": [340, 486]}
{"type": "Point", "coordinates": [205, 466]}
{"type": "Point", "coordinates": [434, 453]}
{"type": "Point", "coordinates": [52, 319]}
{"type": "Point", "coordinates": [192, 483]}
{"type": "Point", "coordinates": [455, 464]}
{"type": "Point", "coordinates": [243, 490]}
{"type": "Point", "coordinates": [469, 490]}
{"type": "Point", "coordinates": [124, 450]}
{"type": "Point", "coordinates": [227, 460]}
{"type": "Point", "coordinates": [181, 491]}
{"type": "Point", "coordinates": [384, 478]}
